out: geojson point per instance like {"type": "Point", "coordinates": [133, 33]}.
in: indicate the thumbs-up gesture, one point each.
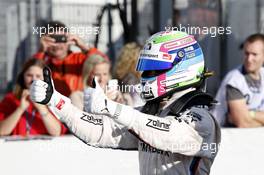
{"type": "Point", "coordinates": [43, 92]}
{"type": "Point", "coordinates": [96, 102]}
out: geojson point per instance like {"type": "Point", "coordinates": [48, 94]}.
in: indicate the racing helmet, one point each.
{"type": "Point", "coordinates": [171, 61]}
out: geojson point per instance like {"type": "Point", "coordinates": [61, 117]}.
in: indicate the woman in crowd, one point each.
{"type": "Point", "coordinates": [19, 115]}
{"type": "Point", "coordinates": [99, 66]}
{"type": "Point", "coordinates": [128, 77]}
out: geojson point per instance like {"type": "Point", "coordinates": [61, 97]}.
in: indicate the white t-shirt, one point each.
{"type": "Point", "coordinates": [236, 79]}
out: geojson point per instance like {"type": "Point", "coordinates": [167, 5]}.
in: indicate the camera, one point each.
{"type": "Point", "coordinates": [59, 38]}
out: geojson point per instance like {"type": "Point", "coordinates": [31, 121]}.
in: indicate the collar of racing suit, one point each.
{"type": "Point", "coordinates": [164, 104]}
{"type": "Point", "coordinates": [156, 108]}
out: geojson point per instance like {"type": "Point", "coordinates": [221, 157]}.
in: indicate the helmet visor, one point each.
{"type": "Point", "coordinates": [147, 64]}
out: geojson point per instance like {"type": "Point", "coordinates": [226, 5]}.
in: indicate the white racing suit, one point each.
{"type": "Point", "coordinates": [167, 145]}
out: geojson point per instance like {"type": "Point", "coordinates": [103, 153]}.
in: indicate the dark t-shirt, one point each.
{"type": "Point", "coordinates": [233, 93]}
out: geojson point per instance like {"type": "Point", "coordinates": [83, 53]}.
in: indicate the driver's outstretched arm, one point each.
{"type": "Point", "coordinates": [95, 130]}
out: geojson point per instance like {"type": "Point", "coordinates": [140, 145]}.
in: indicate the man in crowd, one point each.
{"type": "Point", "coordinates": [241, 94]}
{"type": "Point", "coordinates": [66, 66]}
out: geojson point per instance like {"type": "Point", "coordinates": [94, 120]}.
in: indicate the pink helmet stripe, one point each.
{"type": "Point", "coordinates": [161, 87]}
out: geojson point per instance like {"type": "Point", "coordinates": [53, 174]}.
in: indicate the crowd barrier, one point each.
{"type": "Point", "coordinates": [240, 153]}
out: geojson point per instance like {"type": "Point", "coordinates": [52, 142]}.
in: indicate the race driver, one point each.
{"type": "Point", "coordinates": [174, 133]}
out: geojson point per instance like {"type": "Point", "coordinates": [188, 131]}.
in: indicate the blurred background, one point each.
{"type": "Point", "coordinates": [121, 21]}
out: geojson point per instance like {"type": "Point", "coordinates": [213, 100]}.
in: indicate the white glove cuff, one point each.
{"type": "Point", "coordinates": [122, 114]}
{"type": "Point", "coordinates": [59, 105]}
{"type": "Point", "coordinates": [58, 100]}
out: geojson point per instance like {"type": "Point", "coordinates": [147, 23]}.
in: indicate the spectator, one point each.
{"type": "Point", "coordinates": [65, 65]}
{"type": "Point", "coordinates": [241, 94]}
{"type": "Point", "coordinates": [127, 75]}
{"type": "Point", "coordinates": [96, 65]}
{"type": "Point", "coordinates": [19, 115]}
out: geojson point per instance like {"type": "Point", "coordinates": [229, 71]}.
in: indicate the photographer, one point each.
{"type": "Point", "coordinates": [66, 65]}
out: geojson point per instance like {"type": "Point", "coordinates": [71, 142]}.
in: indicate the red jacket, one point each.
{"type": "Point", "coordinates": [67, 72]}
{"type": "Point", "coordinates": [10, 103]}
